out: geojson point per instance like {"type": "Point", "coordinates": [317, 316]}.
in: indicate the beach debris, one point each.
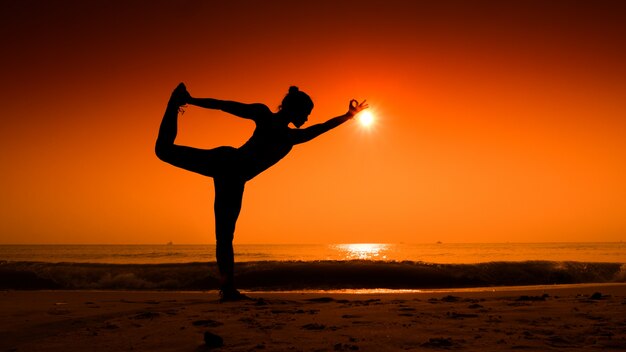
{"type": "Point", "coordinates": [212, 340]}
{"type": "Point", "coordinates": [207, 323]}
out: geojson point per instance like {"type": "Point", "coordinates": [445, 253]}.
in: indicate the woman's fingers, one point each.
{"type": "Point", "coordinates": [356, 107]}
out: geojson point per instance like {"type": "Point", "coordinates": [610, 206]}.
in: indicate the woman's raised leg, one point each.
{"type": "Point", "coordinates": [169, 124]}
{"type": "Point", "coordinates": [220, 163]}
{"type": "Point", "coordinates": [205, 162]}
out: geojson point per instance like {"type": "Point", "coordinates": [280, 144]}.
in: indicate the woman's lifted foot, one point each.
{"type": "Point", "coordinates": [179, 96]}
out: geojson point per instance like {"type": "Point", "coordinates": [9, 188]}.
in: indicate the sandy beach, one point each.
{"type": "Point", "coordinates": [572, 318]}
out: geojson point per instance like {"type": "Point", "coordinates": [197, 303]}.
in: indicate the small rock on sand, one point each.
{"type": "Point", "coordinates": [596, 296]}
{"type": "Point", "coordinates": [213, 341]}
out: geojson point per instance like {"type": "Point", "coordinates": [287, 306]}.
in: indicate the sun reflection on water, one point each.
{"type": "Point", "coordinates": [363, 251]}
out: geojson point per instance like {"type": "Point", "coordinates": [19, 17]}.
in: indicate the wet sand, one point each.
{"type": "Point", "coordinates": [571, 318]}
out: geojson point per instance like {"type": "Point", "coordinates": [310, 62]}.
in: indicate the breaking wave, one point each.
{"type": "Point", "coordinates": [303, 275]}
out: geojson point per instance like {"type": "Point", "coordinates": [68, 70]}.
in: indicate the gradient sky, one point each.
{"type": "Point", "coordinates": [498, 121]}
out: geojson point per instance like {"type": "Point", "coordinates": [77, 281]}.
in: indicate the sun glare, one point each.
{"type": "Point", "coordinates": [370, 251]}
{"type": "Point", "coordinates": [366, 118]}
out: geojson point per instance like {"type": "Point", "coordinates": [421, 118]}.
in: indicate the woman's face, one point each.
{"type": "Point", "coordinates": [300, 116]}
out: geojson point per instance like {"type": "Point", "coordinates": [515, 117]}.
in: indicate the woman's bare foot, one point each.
{"type": "Point", "coordinates": [232, 295]}
{"type": "Point", "coordinates": [180, 96]}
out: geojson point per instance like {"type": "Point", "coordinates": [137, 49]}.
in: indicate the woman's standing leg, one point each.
{"type": "Point", "coordinates": [228, 199]}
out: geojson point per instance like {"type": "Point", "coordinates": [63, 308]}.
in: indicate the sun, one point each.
{"type": "Point", "coordinates": [366, 118]}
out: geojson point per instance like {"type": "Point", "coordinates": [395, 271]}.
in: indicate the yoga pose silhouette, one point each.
{"type": "Point", "coordinates": [231, 167]}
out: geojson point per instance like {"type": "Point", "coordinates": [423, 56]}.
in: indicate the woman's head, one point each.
{"type": "Point", "coordinates": [297, 105]}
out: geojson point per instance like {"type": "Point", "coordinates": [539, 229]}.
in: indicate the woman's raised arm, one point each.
{"type": "Point", "coordinates": [306, 134]}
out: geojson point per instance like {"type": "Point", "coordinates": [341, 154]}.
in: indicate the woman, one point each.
{"type": "Point", "coordinates": [231, 167]}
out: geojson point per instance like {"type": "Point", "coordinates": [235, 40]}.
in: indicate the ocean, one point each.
{"type": "Point", "coordinates": [312, 267]}
{"type": "Point", "coordinates": [439, 253]}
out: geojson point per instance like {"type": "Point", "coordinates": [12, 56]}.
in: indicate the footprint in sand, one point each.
{"type": "Point", "coordinates": [442, 342]}
{"type": "Point", "coordinates": [314, 326]}
{"type": "Point", "coordinates": [147, 315]}
{"type": "Point", "coordinates": [207, 323]}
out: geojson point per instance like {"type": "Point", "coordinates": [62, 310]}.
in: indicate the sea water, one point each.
{"type": "Point", "coordinates": [440, 253]}
{"type": "Point", "coordinates": [312, 267]}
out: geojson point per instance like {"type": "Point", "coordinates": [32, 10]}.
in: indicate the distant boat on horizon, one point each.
{"type": "Point", "coordinates": [169, 243]}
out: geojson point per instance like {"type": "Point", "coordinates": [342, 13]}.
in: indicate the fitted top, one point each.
{"type": "Point", "coordinates": [270, 142]}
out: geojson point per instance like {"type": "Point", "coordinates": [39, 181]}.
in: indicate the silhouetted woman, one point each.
{"type": "Point", "coordinates": [231, 167]}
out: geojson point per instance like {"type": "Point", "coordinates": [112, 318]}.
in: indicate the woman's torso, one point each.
{"type": "Point", "coordinates": [269, 143]}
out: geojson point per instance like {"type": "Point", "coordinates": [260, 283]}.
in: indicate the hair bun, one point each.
{"type": "Point", "coordinates": [293, 90]}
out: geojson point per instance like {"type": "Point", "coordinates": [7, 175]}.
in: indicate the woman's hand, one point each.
{"type": "Point", "coordinates": [355, 107]}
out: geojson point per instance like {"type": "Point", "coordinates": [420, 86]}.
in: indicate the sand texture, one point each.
{"type": "Point", "coordinates": [573, 318]}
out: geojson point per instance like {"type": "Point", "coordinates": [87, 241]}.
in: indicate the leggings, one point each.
{"type": "Point", "coordinates": [223, 165]}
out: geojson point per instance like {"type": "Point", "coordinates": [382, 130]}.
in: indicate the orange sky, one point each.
{"type": "Point", "coordinates": [497, 121]}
